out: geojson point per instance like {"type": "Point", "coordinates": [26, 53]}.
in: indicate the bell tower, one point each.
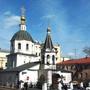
{"type": "Point", "coordinates": [48, 51]}
{"type": "Point", "coordinates": [48, 59]}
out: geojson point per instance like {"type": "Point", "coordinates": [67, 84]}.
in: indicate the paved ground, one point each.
{"type": "Point", "coordinates": [4, 88]}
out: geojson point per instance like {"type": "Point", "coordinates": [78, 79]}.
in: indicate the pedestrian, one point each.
{"type": "Point", "coordinates": [25, 86]}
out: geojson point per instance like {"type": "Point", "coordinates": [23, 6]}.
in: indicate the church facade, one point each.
{"type": "Point", "coordinates": [28, 60]}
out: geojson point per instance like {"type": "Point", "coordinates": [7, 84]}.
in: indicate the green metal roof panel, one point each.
{"type": "Point", "coordinates": [22, 35]}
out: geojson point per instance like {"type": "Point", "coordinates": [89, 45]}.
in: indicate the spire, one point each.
{"type": "Point", "coordinates": [48, 29]}
{"type": "Point", "coordinates": [48, 42]}
{"type": "Point", "coordinates": [23, 19]}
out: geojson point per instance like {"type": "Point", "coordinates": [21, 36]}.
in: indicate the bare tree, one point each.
{"type": "Point", "coordinates": [86, 50]}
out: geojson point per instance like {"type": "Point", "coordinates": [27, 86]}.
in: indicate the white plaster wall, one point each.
{"type": "Point", "coordinates": [49, 77]}
{"type": "Point", "coordinates": [3, 59]}
{"type": "Point", "coordinates": [67, 76]}
{"type": "Point", "coordinates": [33, 76]}
{"type": "Point", "coordinates": [23, 47]}
{"type": "Point", "coordinates": [58, 54]}
{"type": "Point", "coordinates": [37, 49]}
{"type": "Point", "coordinates": [22, 59]}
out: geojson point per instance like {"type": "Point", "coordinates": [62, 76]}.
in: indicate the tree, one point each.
{"type": "Point", "coordinates": [86, 50]}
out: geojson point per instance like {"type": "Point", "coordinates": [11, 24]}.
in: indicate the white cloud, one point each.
{"type": "Point", "coordinates": [71, 54]}
{"type": "Point", "coordinates": [8, 24]}
{"type": "Point", "coordinates": [7, 13]}
{"type": "Point", "coordinates": [49, 16]}
{"type": "Point", "coordinates": [9, 20]}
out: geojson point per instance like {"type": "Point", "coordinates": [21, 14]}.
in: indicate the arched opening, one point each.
{"type": "Point", "coordinates": [27, 46]}
{"type": "Point", "coordinates": [53, 59]}
{"type": "Point", "coordinates": [19, 45]}
{"type": "Point", "coordinates": [48, 57]}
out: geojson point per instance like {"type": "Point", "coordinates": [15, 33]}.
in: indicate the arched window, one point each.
{"type": "Point", "coordinates": [53, 59]}
{"type": "Point", "coordinates": [36, 54]}
{"type": "Point", "coordinates": [48, 56]}
{"type": "Point", "coordinates": [19, 45]}
{"type": "Point", "coordinates": [42, 78]}
{"type": "Point", "coordinates": [27, 46]}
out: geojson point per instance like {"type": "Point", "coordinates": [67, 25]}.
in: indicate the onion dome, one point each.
{"type": "Point", "coordinates": [22, 34]}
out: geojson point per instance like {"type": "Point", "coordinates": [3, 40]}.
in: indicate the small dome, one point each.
{"type": "Point", "coordinates": [48, 29]}
{"type": "Point", "coordinates": [22, 35]}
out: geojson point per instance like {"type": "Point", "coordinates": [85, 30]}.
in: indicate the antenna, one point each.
{"type": "Point", "coordinates": [75, 53]}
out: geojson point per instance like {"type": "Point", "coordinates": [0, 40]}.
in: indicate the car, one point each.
{"type": "Point", "coordinates": [87, 88]}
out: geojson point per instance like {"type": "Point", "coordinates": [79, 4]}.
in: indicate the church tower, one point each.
{"type": "Point", "coordinates": [48, 51]}
{"type": "Point", "coordinates": [22, 41]}
{"type": "Point", "coordinates": [22, 48]}
{"type": "Point", "coordinates": [48, 60]}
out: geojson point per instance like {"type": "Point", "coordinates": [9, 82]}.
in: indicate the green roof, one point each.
{"type": "Point", "coordinates": [22, 35]}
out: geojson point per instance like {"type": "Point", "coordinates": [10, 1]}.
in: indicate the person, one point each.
{"type": "Point", "coordinates": [25, 86]}
{"type": "Point", "coordinates": [65, 87]}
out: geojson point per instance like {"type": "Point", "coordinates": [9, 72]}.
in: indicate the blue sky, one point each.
{"type": "Point", "coordinates": [69, 21]}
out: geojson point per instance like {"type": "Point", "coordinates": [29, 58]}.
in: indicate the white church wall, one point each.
{"type": "Point", "coordinates": [29, 76]}
{"type": "Point", "coordinates": [37, 49]}
{"type": "Point", "coordinates": [23, 59]}
{"type": "Point", "coordinates": [23, 47]}
{"type": "Point", "coordinates": [58, 52]}
{"type": "Point", "coordinates": [67, 76]}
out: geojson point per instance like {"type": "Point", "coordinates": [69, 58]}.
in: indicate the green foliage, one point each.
{"type": "Point", "coordinates": [86, 50]}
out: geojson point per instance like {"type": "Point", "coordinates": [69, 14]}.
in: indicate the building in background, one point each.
{"type": "Point", "coordinates": [80, 68]}
{"type": "Point", "coordinates": [57, 52]}
{"type": "Point", "coordinates": [3, 58]}
{"type": "Point", "coordinates": [28, 60]}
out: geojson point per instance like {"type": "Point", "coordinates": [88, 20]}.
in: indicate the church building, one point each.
{"type": "Point", "coordinates": [29, 60]}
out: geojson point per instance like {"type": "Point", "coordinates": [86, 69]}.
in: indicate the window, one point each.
{"type": "Point", "coordinates": [24, 62]}
{"type": "Point", "coordinates": [39, 54]}
{"type": "Point", "coordinates": [27, 46]}
{"type": "Point", "coordinates": [19, 45]}
{"type": "Point", "coordinates": [53, 59]}
{"type": "Point", "coordinates": [36, 54]}
{"type": "Point", "coordinates": [24, 73]}
{"type": "Point", "coordinates": [48, 57]}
